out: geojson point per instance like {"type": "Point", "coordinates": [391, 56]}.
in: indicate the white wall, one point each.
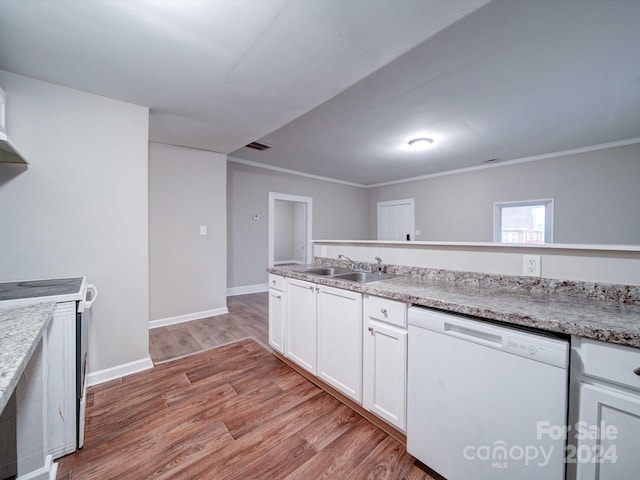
{"type": "Point", "coordinates": [560, 262]}
{"type": "Point", "coordinates": [339, 211]}
{"type": "Point", "coordinates": [299, 221]}
{"type": "Point", "coordinates": [596, 198]}
{"type": "Point", "coordinates": [283, 226]}
{"type": "Point", "coordinates": [80, 208]}
{"type": "Point", "coordinates": [188, 271]}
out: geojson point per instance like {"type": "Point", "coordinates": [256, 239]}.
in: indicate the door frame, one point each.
{"type": "Point", "coordinates": [308, 201]}
{"type": "Point", "coordinates": [389, 203]}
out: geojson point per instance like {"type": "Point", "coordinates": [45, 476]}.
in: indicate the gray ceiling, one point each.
{"type": "Point", "coordinates": [339, 87]}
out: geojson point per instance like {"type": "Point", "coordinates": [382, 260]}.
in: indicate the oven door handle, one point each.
{"type": "Point", "coordinates": [94, 294]}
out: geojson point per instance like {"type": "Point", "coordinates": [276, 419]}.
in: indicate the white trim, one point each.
{"type": "Point", "coordinates": [246, 289]}
{"type": "Point", "coordinates": [487, 245]}
{"type": "Point", "coordinates": [548, 220]}
{"type": "Point", "coordinates": [119, 371]}
{"type": "Point", "coordinates": [187, 317]}
{"type": "Point", "coordinates": [48, 471]}
{"type": "Point", "coordinates": [544, 156]}
{"type": "Point", "coordinates": [186, 146]}
{"type": "Point", "coordinates": [294, 172]}
{"type": "Point", "coordinates": [273, 196]}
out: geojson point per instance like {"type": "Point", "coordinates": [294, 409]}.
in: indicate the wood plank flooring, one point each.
{"type": "Point", "coordinates": [248, 317]}
{"type": "Point", "coordinates": [218, 405]}
{"type": "Point", "coordinates": [232, 412]}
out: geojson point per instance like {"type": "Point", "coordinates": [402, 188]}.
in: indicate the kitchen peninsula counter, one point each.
{"type": "Point", "coordinates": [608, 313]}
{"type": "Point", "coordinates": [21, 329]}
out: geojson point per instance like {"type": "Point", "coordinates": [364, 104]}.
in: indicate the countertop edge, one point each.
{"type": "Point", "coordinates": [549, 317]}
{"type": "Point", "coordinates": [43, 313]}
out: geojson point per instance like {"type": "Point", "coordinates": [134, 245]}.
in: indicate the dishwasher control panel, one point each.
{"type": "Point", "coordinates": [539, 347]}
{"type": "Point", "coordinates": [548, 353]}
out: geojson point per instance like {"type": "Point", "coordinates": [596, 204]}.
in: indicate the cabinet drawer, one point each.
{"type": "Point", "coordinates": [385, 310]}
{"type": "Point", "coordinates": [614, 363]}
{"type": "Point", "coordinates": [276, 281]}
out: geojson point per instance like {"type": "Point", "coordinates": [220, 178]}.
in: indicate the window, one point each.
{"type": "Point", "coordinates": [529, 221]}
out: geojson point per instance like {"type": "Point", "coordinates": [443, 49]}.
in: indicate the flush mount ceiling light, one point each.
{"type": "Point", "coordinates": [420, 144]}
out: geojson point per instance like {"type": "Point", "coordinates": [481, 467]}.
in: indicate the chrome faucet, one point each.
{"type": "Point", "coordinates": [379, 260]}
{"type": "Point", "coordinates": [353, 264]}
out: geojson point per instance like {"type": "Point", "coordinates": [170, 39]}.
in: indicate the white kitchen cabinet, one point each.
{"type": "Point", "coordinates": [61, 390]}
{"type": "Point", "coordinates": [385, 359]}
{"type": "Point", "coordinates": [276, 312]}
{"type": "Point", "coordinates": [31, 405]}
{"type": "Point", "coordinates": [340, 340]}
{"type": "Point", "coordinates": [608, 423]}
{"type": "Point", "coordinates": [301, 324]}
{"type": "Point", "coordinates": [613, 452]}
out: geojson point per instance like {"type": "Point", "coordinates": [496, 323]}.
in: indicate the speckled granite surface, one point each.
{"type": "Point", "coordinates": [609, 313]}
{"type": "Point", "coordinates": [21, 328]}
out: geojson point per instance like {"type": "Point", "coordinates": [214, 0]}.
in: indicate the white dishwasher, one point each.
{"type": "Point", "coordinates": [485, 401]}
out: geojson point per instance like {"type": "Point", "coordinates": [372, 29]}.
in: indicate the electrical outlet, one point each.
{"type": "Point", "coordinates": [531, 265]}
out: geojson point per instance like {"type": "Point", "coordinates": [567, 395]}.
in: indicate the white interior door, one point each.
{"type": "Point", "coordinates": [396, 220]}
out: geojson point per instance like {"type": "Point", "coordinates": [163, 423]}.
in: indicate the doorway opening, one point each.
{"type": "Point", "coordinates": [290, 220]}
{"type": "Point", "coordinates": [396, 220]}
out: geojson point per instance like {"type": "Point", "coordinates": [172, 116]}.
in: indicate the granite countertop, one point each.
{"type": "Point", "coordinates": [21, 328]}
{"type": "Point", "coordinates": [602, 313]}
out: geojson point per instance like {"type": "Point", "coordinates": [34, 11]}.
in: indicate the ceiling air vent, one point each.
{"type": "Point", "coordinates": [259, 146]}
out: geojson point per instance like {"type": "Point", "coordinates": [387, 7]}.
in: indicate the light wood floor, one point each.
{"type": "Point", "coordinates": [248, 317]}
{"type": "Point", "coordinates": [231, 412]}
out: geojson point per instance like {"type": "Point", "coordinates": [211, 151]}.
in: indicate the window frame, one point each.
{"type": "Point", "coordinates": [547, 203]}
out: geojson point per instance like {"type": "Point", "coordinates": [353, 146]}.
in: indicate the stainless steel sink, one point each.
{"type": "Point", "coordinates": [362, 277]}
{"type": "Point", "coordinates": [324, 271]}
{"type": "Point", "coordinates": [340, 273]}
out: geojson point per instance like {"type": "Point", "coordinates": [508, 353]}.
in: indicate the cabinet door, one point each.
{"type": "Point", "coordinates": [61, 370]}
{"type": "Point", "coordinates": [300, 342]}
{"type": "Point", "coordinates": [340, 340]}
{"type": "Point", "coordinates": [276, 320]}
{"type": "Point", "coordinates": [385, 372]}
{"type": "Point", "coordinates": [613, 454]}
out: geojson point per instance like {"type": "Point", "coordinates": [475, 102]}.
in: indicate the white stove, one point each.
{"type": "Point", "coordinates": [32, 291]}
{"type": "Point", "coordinates": [67, 338]}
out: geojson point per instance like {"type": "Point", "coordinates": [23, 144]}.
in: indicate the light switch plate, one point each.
{"type": "Point", "coordinates": [203, 229]}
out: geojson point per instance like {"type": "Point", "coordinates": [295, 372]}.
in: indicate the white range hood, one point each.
{"type": "Point", "coordinates": [8, 152]}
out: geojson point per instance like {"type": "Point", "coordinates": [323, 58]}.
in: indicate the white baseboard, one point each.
{"type": "Point", "coordinates": [259, 288]}
{"type": "Point", "coordinates": [101, 376]}
{"type": "Point", "coordinates": [163, 322]}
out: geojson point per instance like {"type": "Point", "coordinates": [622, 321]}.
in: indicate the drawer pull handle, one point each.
{"type": "Point", "coordinates": [311, 288]}
{"type": "Point", "coordinates": [384, 311]}
{"type": "Point", "coordinates": [273, 281]}
{"type": "Point", "coordinates": [637, 371]}
{"type": "Point", "coordinates": [371, 330]}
